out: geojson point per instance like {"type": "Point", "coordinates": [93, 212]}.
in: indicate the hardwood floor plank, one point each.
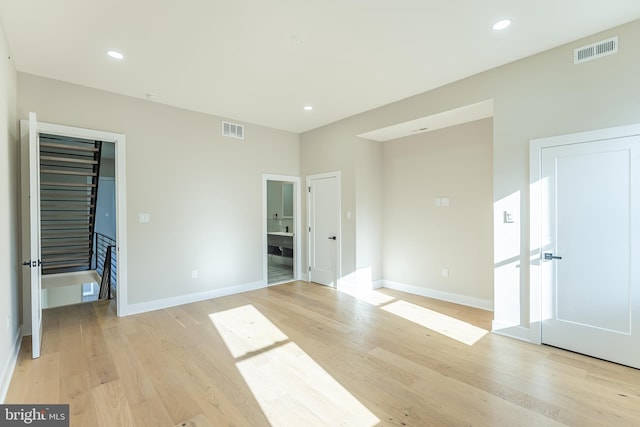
{"type": "Point", "coordinates": [285, 354]}
{"type": "Point", "coordinates": [110, 403]}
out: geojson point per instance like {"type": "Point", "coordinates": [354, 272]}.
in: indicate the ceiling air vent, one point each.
{"type": "Point", "coordinates": [233, 130]}
{"type": "Point", "coordinates": [595, 50]}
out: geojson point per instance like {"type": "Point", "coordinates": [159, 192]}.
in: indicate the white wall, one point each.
{"type": "Point", "coordinates": [539, 96]}
{"type": "Point", "coordinates": [368, 213]}
{"type": "Point", "coordinates": [202, 191]}
{"type": "Point", "coordinates": [9, 238]}
{"type": "Point", "coordinates": [420, 239]}
{"type": "Point", "coordinates": [328, 149]}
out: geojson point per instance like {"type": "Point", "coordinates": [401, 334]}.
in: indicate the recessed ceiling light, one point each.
{"type": "Point", "coordinates": [115, 54]}
{"type": "Point", "coordinates": [308, 108]}
{"type": "Point", "coordinates": [502, 24]}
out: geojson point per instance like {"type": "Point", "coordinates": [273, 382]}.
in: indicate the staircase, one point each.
{"type": "Point", "coordinates": [69, 170]}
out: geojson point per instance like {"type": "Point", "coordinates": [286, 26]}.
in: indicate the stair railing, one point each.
{"type": "Point", "coordinates": [106, 264]}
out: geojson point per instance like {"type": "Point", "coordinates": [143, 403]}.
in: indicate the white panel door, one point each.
{"type": "Point", "coordinates": [592, 298]}
{"type": "Point", "coordinates": [323, 234]}
{"type": "Point", "coordinates": [32, 139]}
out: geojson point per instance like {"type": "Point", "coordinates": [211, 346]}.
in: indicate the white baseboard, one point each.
{"type": "Point", "coordinates": [377, 284]}
{"type": "Point", "coordinates": [144, 307]}
{"type": "Point", "coordinates": [518, 332]}
{"type": "Point", "coordinates": [7, 370]}
{"type": "Point", "coordinates": [441, 295]}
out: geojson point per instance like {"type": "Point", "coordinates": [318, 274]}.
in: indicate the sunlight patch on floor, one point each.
{"type": "Point", "coordinates": [245, 330]}
{"type": "Point", "coordinates": [438, 322]}
{"type": "Point", "coordinates": [367, 295]}
{"type": "Point", "coordinates": [290, 387]}
{"type": "Point", "coordinates": [293, 390]}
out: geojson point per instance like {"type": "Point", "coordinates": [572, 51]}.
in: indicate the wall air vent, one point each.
{"type": "Point", "coordinates": [233, 130]}
{"type": "Point", "coordinates": [595, 50]}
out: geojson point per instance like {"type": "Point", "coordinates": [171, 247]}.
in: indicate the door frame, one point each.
{"type": "Point", "coordinates": [336, 175]}
{"type": "Point", "coordinates": [539, 271]}
{"type": "Point", "coordinates": [121, 206]}
{"type": "Point", "coordinates": [297, 227]}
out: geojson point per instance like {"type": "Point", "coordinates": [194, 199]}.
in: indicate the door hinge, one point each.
{"type": "Point", "coordinates": [309, 189]}
{"type": "Point", "coordinates": [309, 268]}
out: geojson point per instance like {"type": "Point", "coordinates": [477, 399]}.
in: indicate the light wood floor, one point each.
{"type": "Point", "coordinates": [301, 354]}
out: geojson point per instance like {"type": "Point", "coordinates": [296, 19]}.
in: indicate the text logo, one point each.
{"type": "Point", "coordinates": [34, 415]}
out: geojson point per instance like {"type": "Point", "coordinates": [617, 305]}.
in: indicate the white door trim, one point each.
{"type": "Point", "coordinates": [537, 224]}
{"type": "Point", "coordinates": [121, 197]}
{"type": "Point", "coordinates": [336, 175]}
{"type": "Point", "coordinates": [297, 242]}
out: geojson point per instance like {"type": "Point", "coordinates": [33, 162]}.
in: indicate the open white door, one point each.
{"type": "Point", "coordinates": [324, 229]}
{"type": "Point", "coordinates": [31, 138]}
{"type": "Point", "coordinates": [591, 298]}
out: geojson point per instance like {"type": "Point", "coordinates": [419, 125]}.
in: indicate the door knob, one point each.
{"type": "Point", "coordinates": [549, 255]}
{"type": "Point", "coordinates": [332, 238]}
{"type": "Point", "coordinates": [32, 263]}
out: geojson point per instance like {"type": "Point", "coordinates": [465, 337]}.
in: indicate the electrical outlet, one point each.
{"type": "Point", "coordinates": [194, 274]}
{"type": "Point", "coordinates": [445, 272]}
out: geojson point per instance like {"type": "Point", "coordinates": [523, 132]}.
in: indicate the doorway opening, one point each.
{"type": "Point", "coordinates": [281, 228]}
{"type": "Point", "coordinates": [60, 218]}
{"type": "Point", "coordinates": [77, 220]}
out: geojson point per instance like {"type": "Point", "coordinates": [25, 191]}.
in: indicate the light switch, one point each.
{"type": "Point", "coordinates": [144, 218]}
{"type": "Point", "coordinates": [438, 201]}
{"type": "Point", "coordinates": [445, 202]}
{"type": "Point", "coordinates": [508, 217]}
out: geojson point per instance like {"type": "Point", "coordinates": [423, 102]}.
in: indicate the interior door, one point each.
{"type": "Point", "coordinates": [33, 265]}
{"type": "Point", "coordinates": [592, 302]}
{"type": "Point", "coordinates": [324, 236]}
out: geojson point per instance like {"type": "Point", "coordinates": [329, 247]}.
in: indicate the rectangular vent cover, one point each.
{"type": "Point", "coordinates": [233, 130]}
{"type": "Point", "coordinates": [595, 50]}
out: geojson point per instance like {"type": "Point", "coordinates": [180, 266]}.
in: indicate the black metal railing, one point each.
{"type": "Point", "coordinates": [106, 263]}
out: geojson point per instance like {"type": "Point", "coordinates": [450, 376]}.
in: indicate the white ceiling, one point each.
{"type": "Point", "coordinates": [261, 61]}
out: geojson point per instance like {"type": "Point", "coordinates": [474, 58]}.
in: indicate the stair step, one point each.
{"type": "Point", "coordinates": [67, 172]}
{"type": "Point", "coordinates": [66, 234]}
{"type": "Point", "coordinates": [77, 205]}
{"type": "Point", "coordinates": [62, 243]}
{"type": "Point", "coordinates": [70, 256]}
{"type": "Point", "coordinates": [68, 160]}
{"type": "Point", "coordinates": [61, 216]}
{"type": "Point", "coordinates": [68, 147]}
{"type": "Point", "coordinates": [68, 265]}
{"type": "Point", "coordinates": [53, 199]}
{"type": "Point", "coordinates": [67, 184]}
{"type": "Point", "coordinates": [67, 249]}
{"type": "Point", "coordinates": [65, 227]}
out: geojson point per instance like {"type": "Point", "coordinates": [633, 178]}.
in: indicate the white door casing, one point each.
{"type": "Point", "coordinates": [121, 206]}
{"type": "Point", "coordinates": [30, 137]}
{"type": "Point", "coordinates": [590, 218]}
{"type": "Point", "coordinates": [296, 223]}
{"type": "Point", "coordinates": [324, 228]}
